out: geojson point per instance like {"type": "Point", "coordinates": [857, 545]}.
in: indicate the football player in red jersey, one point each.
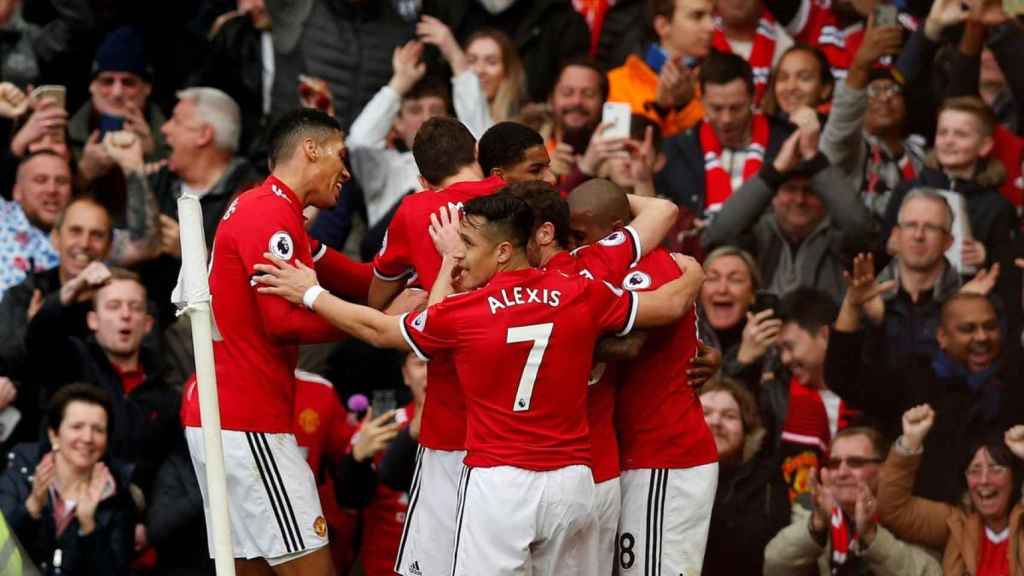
{"type": "Point", "coordinates": [526, 501]}
{"type": "Point", "coordinates": [668, 456]}
{"type": "Point", "coordinates": [275, 510]}
{"type": "Point", "coordinates": [607, 259]}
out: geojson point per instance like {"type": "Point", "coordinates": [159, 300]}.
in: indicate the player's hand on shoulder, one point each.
{"type": "Point", "coordinates": [283, 279]}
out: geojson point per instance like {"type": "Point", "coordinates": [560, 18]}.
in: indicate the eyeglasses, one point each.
{"type": "Point", "coordinates": [884, 90]}
{"type": "Point", "coordinates": [852, 462]}
{"type": "Point", "coordinates": [928, 229]}
{"type": "Point", "coordinates": [993, 470]}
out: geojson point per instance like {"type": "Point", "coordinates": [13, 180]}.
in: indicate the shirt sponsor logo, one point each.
{"type": "Point", "coordinates": [281, 245]}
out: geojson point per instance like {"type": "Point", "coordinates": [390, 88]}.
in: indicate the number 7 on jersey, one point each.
{"type": "Point", "coordinates": [539, 335]}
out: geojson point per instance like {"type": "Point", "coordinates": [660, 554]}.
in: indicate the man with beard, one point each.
{"type": "Point", "coordinates": [575, 105]}
{"type": "Point", "coordinates": [968, 383]}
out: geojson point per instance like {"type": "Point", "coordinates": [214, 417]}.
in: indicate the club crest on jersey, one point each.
{"type": "Point", "coordinates": [420, 321]}
{"type": "Point", "coordinates": [320, 526]}
{"type": "Point", "coordinates": [636, 280]}
{"type": "Point", "coordinates": [281, 245]}
{"type": "Point", "coordinates": [614, 239]}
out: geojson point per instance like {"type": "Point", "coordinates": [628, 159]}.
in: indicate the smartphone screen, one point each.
{"type": "Point", "coordinates": [110, 123]}
{"type": "Point", "coordinates": [885, 15]}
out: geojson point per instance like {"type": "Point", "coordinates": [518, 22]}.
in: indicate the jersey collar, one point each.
{"type": "Point", "coordinates": [561, 262]}
{"type": "Point", "coordinates": [281, 189]}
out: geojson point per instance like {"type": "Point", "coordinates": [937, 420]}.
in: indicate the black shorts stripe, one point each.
{"type": "Point", "coordinates": [464, 488]}
{"type": "Point", "coordinates": [287, 501]}
{"type": "Point", "coordinates": [661, 518]}
{"type": "Point", "coordinates": [257, 458]}
{"type": "Point", "coordinates": [648, 543]}
{"type": "Point", "coordinates": [414, 497]}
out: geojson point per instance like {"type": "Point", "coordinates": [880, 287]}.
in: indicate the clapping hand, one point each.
{"type": "Point", "coordinates": [822, 499]}
{"type": "Point", "coordinates": [865, 515]}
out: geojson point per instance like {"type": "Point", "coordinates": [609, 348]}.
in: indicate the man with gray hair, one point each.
{"type": "Point", "coordinates": [203, 135]}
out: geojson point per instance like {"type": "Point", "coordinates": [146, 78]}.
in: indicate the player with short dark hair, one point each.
{"type": "Point", "coordinates": [272, 494]}
{"type": "Point", "coordinates": [522, 341]}
{"type": "Point", "coordinates": [442, 147]}
{"type": "Point", "coordinates": [516, 153]}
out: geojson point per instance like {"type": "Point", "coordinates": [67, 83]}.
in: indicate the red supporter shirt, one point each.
{"type": "Point", "coordinates": [523, 347]}
{"type": "Point", "coordinates": [994, 556]}
{"type": "Point", "coordinates": [659, 417]}
{"type": "Point", "coordinates": [608, 259]}
{"type": "Point", "coordinates": [817, 25]}
{"type": "Point", "coordinates": [256, 354]}
{"type": "Point", "coordinates": [408, 251]}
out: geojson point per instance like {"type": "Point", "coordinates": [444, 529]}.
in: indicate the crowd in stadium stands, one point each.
{"type": "Point", "coordinates": [845, 176]}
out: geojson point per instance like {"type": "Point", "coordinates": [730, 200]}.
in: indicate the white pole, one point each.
{"type": "Point", "coordinates": [197, 296]}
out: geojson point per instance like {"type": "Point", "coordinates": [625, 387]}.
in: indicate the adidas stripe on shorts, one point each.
{"type": "Point", "coordinates": [272, 495]}
{"type": "Point", "coordinates": [663, 527]}
{"type": "Point", "coordinates": [429, 533]}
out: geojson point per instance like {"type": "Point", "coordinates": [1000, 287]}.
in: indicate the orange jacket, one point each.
{"type": "Point", "coordinates": [636, 84]}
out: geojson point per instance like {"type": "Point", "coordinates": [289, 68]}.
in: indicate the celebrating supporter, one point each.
{"type": "Point", "coordinates": [491, 55]}
{"type": "Point", "coordinates": [661, 82]}
{"type": "Point", "coordinates": [802, 78]}
{"type": "Point", "coordinates": [987, 532]}
{"type": "Point", "coordinates": [839, 531]}
{"type": "Point", "coordinates": [751, 502]}
{"type": "Point", "coordinates": [706, 164]}
{"type": "Point", "coordinates": [67, 501]}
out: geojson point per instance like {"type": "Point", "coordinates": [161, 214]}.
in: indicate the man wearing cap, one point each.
{"type": "Point", "coordinates": [814, 218]}
{"type": "Point", "coordinates": [120, 89]}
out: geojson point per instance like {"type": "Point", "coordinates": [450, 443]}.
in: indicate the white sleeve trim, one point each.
{"type": "Point", "coordinates": [408, 339]}
{"type": "Point", "coordinates": [320, 253]}
{"type": "Point", "coordinates": [637, 247]}
{"type": "Point", "coordinates": [387, 278]}
{"type": "Point", "coordinates": [634, 308]}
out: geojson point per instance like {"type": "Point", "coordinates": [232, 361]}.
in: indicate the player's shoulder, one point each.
{"type": "Point", "coordinates": [653, 269]}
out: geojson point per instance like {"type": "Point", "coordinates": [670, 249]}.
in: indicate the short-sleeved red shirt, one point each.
{"type": "Point", "coordinates": [522, 347]}
{"type": "Point", "coordinates": [659, 417]}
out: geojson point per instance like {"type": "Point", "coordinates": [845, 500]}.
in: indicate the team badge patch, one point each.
{"type": "Point", "coordinates": [636, 280]}
{"type": "Point", "coordinates": [281, 245]}
{"type": "Point", "coordinates": [309, 421]}
{"type": "Point", "coordinates": [420, 321]}
{"type": "Point", "coordinates": [613, 239]}
{"type": "Point", "coordinates": [320, 526]}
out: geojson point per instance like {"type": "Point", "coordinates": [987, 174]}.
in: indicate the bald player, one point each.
{"type": "Point", "coordinates": [607, 259]}
{"type": "Point", "coordinates": [667, 454]}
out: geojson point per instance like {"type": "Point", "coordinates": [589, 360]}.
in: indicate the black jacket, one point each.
{"type": "Point", "coordinates": [107, 551]}
{"type": "Point", "coordinates": [626, 30]}
{"type": "Point", "coordinates": [682, 178]}
{"type": "Point", "coordinates": [545, 33]}
{"type": "Point", "coordinates": [348, 44]}
{"type": "Point", "coordinates": [144, 423]}
{"type": "Point", "coordinates": [235, 65]}
{"type": "Point", "coordinates": [751, 506]}
{"type": "Point", "coordinates": [963, 417]}
{"type": "Point", "coordinates": [175, 522]}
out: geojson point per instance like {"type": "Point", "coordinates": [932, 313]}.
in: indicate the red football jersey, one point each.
{"type": "Point", "coordinates": [408, 251]}
{"type": "Point", "coordinates": [607, 259]}
{"type": "Point", "coordinates": [817, 25]}
{"type": "Point", "coordinates": [659, 417]}
{"type": "Point", "coordinates": [259, 334]}
{"type": "Point", "coordinates": [522, 347]}
{"type": "Point", "coordinates": [407, 247]}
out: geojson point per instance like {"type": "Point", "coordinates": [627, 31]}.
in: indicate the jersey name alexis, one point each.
{"type": "Point", "coordinates": [521, 295]}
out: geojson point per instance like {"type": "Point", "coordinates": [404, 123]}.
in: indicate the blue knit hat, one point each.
{"type": "Point", "coordinates": [123, 50]}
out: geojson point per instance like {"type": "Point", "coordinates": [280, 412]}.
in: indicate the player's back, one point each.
{"type": "Point", "coordinates": [659, 417]}
{"type": "Point", "coordinates": [407, 247]}
{"type": "Point", "coordinates": [523, 353]}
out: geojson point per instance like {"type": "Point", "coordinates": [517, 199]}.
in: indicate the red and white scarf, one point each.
{"type": "Point", "coordinates": [761, 53]}
{"type": "Point", "coordinates": [876, 165]}
{"type": "Point", "coordinates": [718, 182]}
